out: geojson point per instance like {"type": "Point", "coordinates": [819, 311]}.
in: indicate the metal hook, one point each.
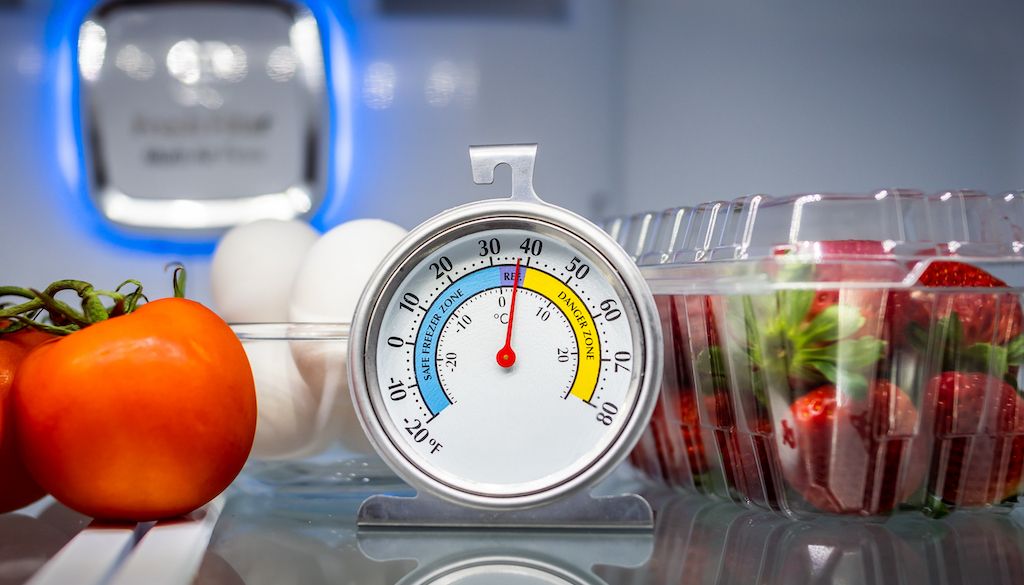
{"type": "Point", "coordinates": [519, 157]}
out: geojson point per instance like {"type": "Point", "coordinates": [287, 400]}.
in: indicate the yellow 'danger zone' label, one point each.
{"type": "Point", "coordinates": [587, 341]}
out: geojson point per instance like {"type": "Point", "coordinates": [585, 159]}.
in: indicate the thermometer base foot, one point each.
{"type": "Point", "coordinates": [628, 512]}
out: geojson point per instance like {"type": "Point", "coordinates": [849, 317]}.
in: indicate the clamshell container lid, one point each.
{"type": "Point", "coordinates": [740, 246]}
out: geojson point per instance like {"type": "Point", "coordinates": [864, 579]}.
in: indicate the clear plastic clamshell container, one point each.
{"type": "Point", "coordinates": [839, 354]}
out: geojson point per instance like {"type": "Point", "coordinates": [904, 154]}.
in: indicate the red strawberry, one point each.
{"type": "Point", "coordinates": [978, 421]}
{"type": "Point", "coordinates": [993, 318]}
{"type": "Point", "coordinates": [689, 432]}
{"type": "Point", "coordinates": [957, 274]}
{"type": "Point", "coordinates": [852, 453]}
{"type": "Point", "coordinates": [720, 414]}
{"type": "Point", "coordinates": [679, 437]}
{"type": "Point", "coordinates": [786, 344]}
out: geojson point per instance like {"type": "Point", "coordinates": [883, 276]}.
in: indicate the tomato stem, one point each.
{"type": "Point", "coordinates": [61, 318]}
{"type": "Point", "coordinates": [27, 323]}
{"type": "Point", "coordinates": [178, 278]}
{"type": "Point", "coordinates": [33, 304]}
{"type": "Point", "coordinates": [131, 300]}
{"type": "Point", "coordinates": [60, 312]}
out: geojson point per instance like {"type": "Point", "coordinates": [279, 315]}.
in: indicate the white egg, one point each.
{"type": "Point", "coordinates": [254, 266]}
{"type": "Point", "coordinates": [291, 416]}
{"type": "Point", "coordinates": [324, 366]}
{"type": "Point", "coordinates": [327, 289]}
{"type": "Point", "coordinates": [336, 269]}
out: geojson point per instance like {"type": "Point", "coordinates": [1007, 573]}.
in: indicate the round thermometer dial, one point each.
{"type": "Point", "coordinates": [506, 360]}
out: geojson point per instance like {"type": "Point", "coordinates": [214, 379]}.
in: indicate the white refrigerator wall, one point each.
{"type": "Point", "coordinates": [725, 98]}
{"type": "Point", "coordinates": [637, 105]}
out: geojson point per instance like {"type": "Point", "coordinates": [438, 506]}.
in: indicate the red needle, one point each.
{"type": "Point", "coordinates": [507, 357]}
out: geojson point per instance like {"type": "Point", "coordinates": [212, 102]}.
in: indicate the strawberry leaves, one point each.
{"type": "Point", "coordinates": [807, 350]}
{"type": "Point", "coordinates": [793, 307]}
{"type": "Point", "coordinates": [1015, 351]}
{"type": "Point", "coordinates": [982, 357]}
{"type": "Point", "coordinates": [956, 354]}
{"type": "Point", "coordinates": [796, 339]}
{"type": "Point", "coordinates": [832, 324]}
{"type": "Point", "coordinates": [934, 507]}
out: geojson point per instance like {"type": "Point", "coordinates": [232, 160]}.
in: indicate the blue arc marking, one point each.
{"type": "Point", "coordinates": [446, 303]}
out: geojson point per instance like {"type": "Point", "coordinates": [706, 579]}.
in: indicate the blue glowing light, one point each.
{"type": "Point", "coordinates": [61, 92]}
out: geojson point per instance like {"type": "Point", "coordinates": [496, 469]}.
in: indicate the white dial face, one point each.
{"type": "Point", "coordinates": [507, 360]}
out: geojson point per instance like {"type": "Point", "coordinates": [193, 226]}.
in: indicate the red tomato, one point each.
{"type": "Point", "coordinates": [144, 416]}
{"type": "Point", "coordinates": [18, 488]}
{"type": "Point", "coordinates": [27, 339]}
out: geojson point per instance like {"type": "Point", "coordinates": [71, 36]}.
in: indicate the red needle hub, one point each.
{"type": "Point", "coordinates": [507, 357]}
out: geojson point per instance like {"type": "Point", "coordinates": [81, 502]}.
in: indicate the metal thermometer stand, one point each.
{"type": "Point", "coordinates": [580, 511]}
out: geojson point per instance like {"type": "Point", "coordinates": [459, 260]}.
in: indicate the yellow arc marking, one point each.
{"type": "Point", "coordinates": [588, 344]}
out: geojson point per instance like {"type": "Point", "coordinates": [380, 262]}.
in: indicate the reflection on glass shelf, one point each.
{"type": "Point", "coordinates": [265, 543]}
{"type": "Point", "coordinates": [702, 541]}
{"type": "Point", "coordinates": [522, 557]}
{"type": "Point", "coordinates": [262, 540]}
{"type": "Point", "coordinates": [696, 541]}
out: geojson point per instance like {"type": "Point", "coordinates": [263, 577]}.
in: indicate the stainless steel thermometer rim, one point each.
{"type": "Point", "coordinates": [370, 312]}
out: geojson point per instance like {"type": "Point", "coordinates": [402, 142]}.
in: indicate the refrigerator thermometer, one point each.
{"type": "Point", "coordinates": [507, 352]}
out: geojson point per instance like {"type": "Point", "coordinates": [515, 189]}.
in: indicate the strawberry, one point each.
{"type": "Point", "coordinates": [689, 432]}
{"type": "Point", "coordinates": [781, 346]}
{"type": "Point", "coordinates": [977, 331]}
{"type": "Point", "coordinates": [978, 424]}
{"type": "Point", "coordinates": [707, 418]}
{"type": "Point", "coordinates": [788, 342]}
{"type": "Point", "coordinates": [741, 433]}
{"type": "Point", "coordinates": [738, 459]}
{"type": "Point", "coordinates": [852, 452]}
{"type": "Point", "coordinates": [948, 274]}
{"type": "Point", "coordinates": [680, 446]}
